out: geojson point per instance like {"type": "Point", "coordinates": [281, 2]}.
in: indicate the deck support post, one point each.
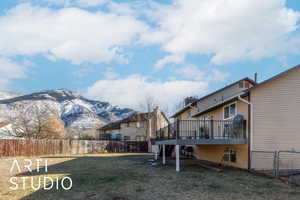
{"type": "Point", "coordinates": [177, 158]}
{"type": "Point", "coordinates": [164, 154]}
{"type": "Point", "coordinates": [156, 153]}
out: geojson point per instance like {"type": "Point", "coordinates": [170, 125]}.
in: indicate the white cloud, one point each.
{"type": "Point", "coordinates": [9, 70]}
{"type": "Point", "coordinates": [90, 3]}
{"type": "Point", "coordinates": [132, 91]}
{"type": "Point", "coordinates": [55, 2]}
{"type": "Point", "coordinates": [83, 71]}
{"type": "Point", "coordinates": [218, 75]}
{"type": "Point", "coordinates": [110, 74]}
{"type": "Point", "coordinates": [176, 59]}
{"type": "Point", "coordinates": [228, 30]}
{"type": "Point", "coordinates": [72, 34]}
{"type": "Point", "coordinates": [67, 3]}
{"type": "Point", "coordinates": [192, 72]}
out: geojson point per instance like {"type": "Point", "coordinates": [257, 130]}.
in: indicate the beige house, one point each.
{"type": "Point", "coordinates": [137, 127]}
{"type": "Point", "coordinates": [227, 125]}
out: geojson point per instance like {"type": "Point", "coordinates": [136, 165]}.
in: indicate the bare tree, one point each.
{"type": "Point", "coordinates": [34, 122]}
{"type": "Point", "coordinates": [149, 106]}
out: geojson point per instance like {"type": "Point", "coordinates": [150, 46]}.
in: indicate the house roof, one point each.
{"type": "Point", "coordinates": [186, 107]}
{"type": "Point", "coordinates": [111, 126]}
{"type": "Point", "coordinates": [275, 77]}
{"type": "Point", "coordinates": [137, 117]}
{"type": "Point", "coordinates": [245, 93]}
{"type": "Point", "coordinates": [226, 101]}
{"type": "Point", "coordinates": [210, 94]}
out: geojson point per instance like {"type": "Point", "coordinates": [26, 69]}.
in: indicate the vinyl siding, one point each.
{"type": "Point", "coordinates": [214, 153]}
{"type": "Point", "coordinates": [219, 97]}
{"type": "Point", "coordinates": [186, 114]}
{"type": "Point", "coordinates": [276, 113]}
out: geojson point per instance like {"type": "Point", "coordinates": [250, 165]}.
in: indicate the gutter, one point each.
{"type": "Point", "coordinates": [251, 122]}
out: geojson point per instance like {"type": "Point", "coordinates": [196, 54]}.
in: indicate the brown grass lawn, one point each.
{"type": "Point", "coordinates": [129, 176]}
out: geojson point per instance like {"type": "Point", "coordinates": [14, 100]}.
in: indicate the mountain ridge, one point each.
{"type": "Point", "coordinates": [76, 111]}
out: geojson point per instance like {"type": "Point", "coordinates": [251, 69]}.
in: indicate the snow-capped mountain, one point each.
{"type": "Point", "coordinates": [8, 95]}
{"type": "Point", "coordinates": [76, 111]}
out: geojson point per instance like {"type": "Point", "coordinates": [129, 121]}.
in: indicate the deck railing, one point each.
{"type": "Point", "coordinates": [203, 129]}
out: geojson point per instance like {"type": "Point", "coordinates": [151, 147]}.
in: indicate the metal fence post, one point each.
{"type": "Point", "coordinates": [275, 164]}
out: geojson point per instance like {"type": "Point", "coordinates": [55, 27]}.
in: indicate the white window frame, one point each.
{"type": "Point", "coordinates": [228, 105]}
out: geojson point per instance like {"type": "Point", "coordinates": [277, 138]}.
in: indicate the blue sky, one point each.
{"type": "Point", "coordinates": [125, 51]}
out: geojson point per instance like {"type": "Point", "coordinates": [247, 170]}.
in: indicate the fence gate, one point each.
{"type": "Point", "coordinates": [288, 166]}
{"type": "Point", "coordinates": [281, 164]}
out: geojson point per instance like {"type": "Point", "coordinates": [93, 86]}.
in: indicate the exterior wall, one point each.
{"type": "Point", "coordinates": [217, 114]}
{"type": "Point", "coordinates": [110, 131]}
{"type": "Point", "coordinates": [186, 114]}
{"type": "Point", "coordinates": [276, 113]}
{"type": "Point", "coordinates": [220, 97]}
{"type": "Point", "coordinates": [214, 153]}
{"type": "Point", "coordinates": [157, 121]}
{"type": "Point", "coordinates": [133, 130]}
{"type": "Point", "coordinates": [146, 128]}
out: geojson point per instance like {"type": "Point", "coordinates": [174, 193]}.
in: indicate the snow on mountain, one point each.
{"type": "Point", "coordinates": [8, 95]}
{"type": "Point", "coordinates": [76, 111]}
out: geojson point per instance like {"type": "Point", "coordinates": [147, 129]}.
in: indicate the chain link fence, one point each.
{"type": "Point", "coordinates": [281, 164]}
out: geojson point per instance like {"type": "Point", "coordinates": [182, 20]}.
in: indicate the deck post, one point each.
{"type": "Point", "coordinates": [177, 158]}
{"type": "Point", "coordinates": [164, 154]}
{"type": "Point", "coordinates": [156, 152]}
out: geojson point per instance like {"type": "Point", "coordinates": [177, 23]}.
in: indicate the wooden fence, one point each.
{"type": "Point", "coordinates": [22, 147]}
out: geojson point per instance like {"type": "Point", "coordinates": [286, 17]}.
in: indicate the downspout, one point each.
{"type": "Point", "coordinates": [251, 123]}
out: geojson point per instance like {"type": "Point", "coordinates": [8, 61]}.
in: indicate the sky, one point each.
{"type": "Point", "coordinates": [127, 51]}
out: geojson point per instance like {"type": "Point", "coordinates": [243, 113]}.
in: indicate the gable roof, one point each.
{"type": "Point", "coordinates": [136, 117]}
{"type": "Point", "coordinates": [210, 94]}
{"type": "Point", "coordinates": [132, 118]}
{"type": "Point", "coordinates": [111, 126]}
{"type": "Point", "coordinates": [222, 103]}
{"type": "Point", "coordinates": [186, 107]}
{"type": "Point", "coordinates": [275, 77]}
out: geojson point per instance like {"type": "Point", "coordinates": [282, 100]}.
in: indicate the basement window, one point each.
{"type": "Point", "coordinates": [229, 155]}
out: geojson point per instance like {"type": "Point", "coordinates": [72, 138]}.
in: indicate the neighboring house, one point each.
{"type": "Point", "coordinates": [137, 127]}
{"type": "Point", "coordinates": [227, 125]}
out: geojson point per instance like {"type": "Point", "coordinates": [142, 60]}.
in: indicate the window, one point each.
{"type": "Point", "coordinates": [140, 124]}
{"type": "Point", "coordinates": [229, 155]}
{"type": "Point", "coordinates": [140, 138]}
{"type": "Point", "coordinates": [230, 111]}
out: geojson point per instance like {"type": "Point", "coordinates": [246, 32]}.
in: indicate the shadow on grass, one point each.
{"type": "Point", "coordinates": [91, 176]}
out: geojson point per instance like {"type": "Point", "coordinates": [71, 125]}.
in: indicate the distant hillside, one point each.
{"type": "Point", "coordinates": [76, 111]}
